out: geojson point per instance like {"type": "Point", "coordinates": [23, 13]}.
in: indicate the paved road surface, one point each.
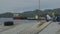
{"type": "Point", "coordinates": [53, 28]}
{"type": "Point", "coordinates": [31, 28]}
{"type": "Point", "coordinates": [18, 28]}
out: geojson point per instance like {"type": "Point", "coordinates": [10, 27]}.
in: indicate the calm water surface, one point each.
{"type": "Point", "coordinates": [2, 20]}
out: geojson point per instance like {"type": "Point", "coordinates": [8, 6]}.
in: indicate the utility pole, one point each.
{"type": "Point", "coordinates": [38, 4]}
{"type": "Point", "coordinates": [38, 8]}
{"type": "Point", "coordinates": [37, 16]}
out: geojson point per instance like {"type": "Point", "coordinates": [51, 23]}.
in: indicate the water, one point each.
{"type": "Point", "coordinates": [2, 20]}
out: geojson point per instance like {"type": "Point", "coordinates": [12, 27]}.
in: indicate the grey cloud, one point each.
{"type": "Point", "coordinates": [44, 4]}
{"type": "Point", "coordinates": [22, 5]}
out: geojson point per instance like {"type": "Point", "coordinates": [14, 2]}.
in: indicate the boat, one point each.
{"type": "Point", "coordinates": [19, 17]}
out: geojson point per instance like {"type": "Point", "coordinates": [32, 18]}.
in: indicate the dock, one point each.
{"type": "Point", "coordinates": [33, 28]}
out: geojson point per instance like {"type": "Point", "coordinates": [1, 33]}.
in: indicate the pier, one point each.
{"type": "Point", "coordinates": [34, 28]}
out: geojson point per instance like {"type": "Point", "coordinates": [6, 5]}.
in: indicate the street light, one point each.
{"type": "Point", "coordinates": [37, 16]}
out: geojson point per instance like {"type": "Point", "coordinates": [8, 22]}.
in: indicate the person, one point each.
{"type": "Point", "coordinates": [48, 18]}
{"type": "Point", "coordinates": [58, 18]}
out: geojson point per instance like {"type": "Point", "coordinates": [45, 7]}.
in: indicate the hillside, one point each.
{"type": "Point", "coordinates": [31, 13]}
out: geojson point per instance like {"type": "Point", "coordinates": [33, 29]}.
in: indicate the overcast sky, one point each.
{"type": "Point", "coordinates": [26, 5]}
